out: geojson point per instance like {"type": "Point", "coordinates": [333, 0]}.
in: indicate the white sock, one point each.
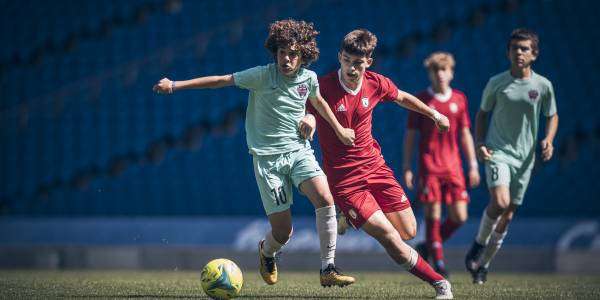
{"type": "Point", "coordinates": [327, 230]}
{"type": "Point", "coordinates": [492, 248]}
{"type": "Point", "coordinates": [412, 260]}
{"type": "Point", "coordinates": [486, 227]}
{"type": "Point", "coordinates": [271, 246]}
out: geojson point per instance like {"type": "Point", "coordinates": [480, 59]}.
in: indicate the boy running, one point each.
{"type": "Point", "coordinates": [441, 176]}
{"type": "Point", "coordinates": [515, 99]}
{"type": "Point", "coordinates": [282, 156]}
{"type": "Point", "coordinates": [364, 187]}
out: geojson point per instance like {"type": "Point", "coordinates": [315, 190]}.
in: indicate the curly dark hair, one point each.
{"type": "Point", "coordinates": [286, 33]}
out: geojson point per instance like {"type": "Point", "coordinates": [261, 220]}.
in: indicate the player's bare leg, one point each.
{"type": "Point", "coordinates": [317, 191]}
{"type": "Point", "coordinates": [405, 223]}
{"type": "Point", "coordinates": [281, 231]}
{"type": "Point", "coordinates": [500, 200]}
{"type": "Point", "coordinates": [458, 215]}
{"type": "Point", "coordinates": [379, 227]}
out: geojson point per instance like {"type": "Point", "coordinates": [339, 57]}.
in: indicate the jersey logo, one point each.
{"type": "Point", "coordinates": [302, 90]}
{"type": "Point", "coordinates": [533, 95]}
{"type": "Point", "coordinates": [365, 102]}
{"type": "Point", "coordinates": [341, 108]}
{"type": "Point", "coordinates": [453, 107]}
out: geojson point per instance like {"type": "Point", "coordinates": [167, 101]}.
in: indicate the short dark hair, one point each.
{"type": "Point", "coordinates": [524, 34]}
{"type": "Point", "coordinates": [287, 33]}
{"type": "Point", "coordinates": [359, 42]}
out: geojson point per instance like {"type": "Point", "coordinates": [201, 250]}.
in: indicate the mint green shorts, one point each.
{"type": "Point", "coordinates": [276, 173]}
{"type": "Point", "coordinates": [504, 174]}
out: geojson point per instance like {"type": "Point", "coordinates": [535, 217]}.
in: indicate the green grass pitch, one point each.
{"type": "Point", "coordinates": [292, 285]}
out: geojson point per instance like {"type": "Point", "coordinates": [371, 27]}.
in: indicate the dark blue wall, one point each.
{"type": "Point", "coordinates": [82, 134]}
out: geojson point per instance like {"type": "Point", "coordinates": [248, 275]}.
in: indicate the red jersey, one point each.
{"type": "Point", "coordinates": [343, 164]}
{"type": "Point", "coordinates": [438, 152]}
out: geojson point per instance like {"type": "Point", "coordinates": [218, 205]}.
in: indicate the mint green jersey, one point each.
{"type": "Point", "coordinates": [276, 105]}
{"type": "Point", "coordinates": [516, 105]}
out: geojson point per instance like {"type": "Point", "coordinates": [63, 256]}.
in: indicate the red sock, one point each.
{"type": "Point", "coordinates": [434, 240]}
{"type": "Point", "coordinates": [424, 271]}
{"type": "Point", "coordinates": [448, 229]}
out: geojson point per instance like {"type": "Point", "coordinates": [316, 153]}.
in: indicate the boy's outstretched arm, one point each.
{"type": "Point", "coordinates": [167, 86]}
{"type": "Point", "coordinates": [413, 103]}
{"type": "Point", "coordinates": [346, 135]}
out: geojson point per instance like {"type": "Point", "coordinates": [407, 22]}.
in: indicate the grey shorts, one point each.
{"type": "Point", "coordinates": [275, 174]}
{"type": "Point", "coordinates": [503, 174]}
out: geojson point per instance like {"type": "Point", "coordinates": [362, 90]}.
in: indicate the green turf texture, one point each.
{"type": "Point", "coordinates": [292, 285]}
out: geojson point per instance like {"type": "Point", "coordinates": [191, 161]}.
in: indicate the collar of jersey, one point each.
{"type": "Point", "coordinates": [440, 97]}
{"type": "Point", "coordinates": [295, 79]}
{"type": "Point", "coordinates": [347, 89]}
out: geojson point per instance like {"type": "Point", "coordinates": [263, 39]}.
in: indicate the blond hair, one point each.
{"type": "Point", "coordinates": [439, 60]}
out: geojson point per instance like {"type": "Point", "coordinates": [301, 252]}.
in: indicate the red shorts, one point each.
{"type": "Point", "coordinates": [377, 191]}
{"type": "Point", "coordinates": [449, 188]}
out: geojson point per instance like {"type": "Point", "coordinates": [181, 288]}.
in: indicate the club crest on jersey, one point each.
{"type": "Point", "coordinates": [453, 107]}
{"type": "Point", "coordinates": [302, 90]}
{"type": "Point", "coordinates": [533, 95]}
{"type": "Point", "coordinates": [365, 101]}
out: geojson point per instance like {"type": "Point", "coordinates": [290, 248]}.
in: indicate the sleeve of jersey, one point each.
{"type": "Point", "coordinates": [389, 89]}
{"type": "Point", "coordinates": [465, 120]}
{"type": "Point", "coordinates": [488, 99]}
{"type": "Point", "coordinates": [549, 104]}
{"type": "Point", "coordinates": [250, 79]}
{"type": "Point", "coordinates": [309, 107]}
{"type": "Point", "coordinates": [313, 86]}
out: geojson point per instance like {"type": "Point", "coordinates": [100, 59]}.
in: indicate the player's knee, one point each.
{"type": "Point", "coordinates": [409, 232]}
{"type": "Point", "coordinates": [459, 219]}
{"type": "Point", "coordinates": [324, 199]}
{"type": "Point", "coordinates": [501, 204]}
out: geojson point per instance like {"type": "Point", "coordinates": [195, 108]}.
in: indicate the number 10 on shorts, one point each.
{"type": "Point", "coordinates": [280, 196]}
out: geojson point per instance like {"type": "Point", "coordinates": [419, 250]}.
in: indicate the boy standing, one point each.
{"type": "Point", "coordinates": [441, 176]}
{"type": "Point", "coordinates": [515, 99]}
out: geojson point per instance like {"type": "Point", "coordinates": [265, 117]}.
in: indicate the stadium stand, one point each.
{"type": "Point", "coordinates": [82, 134]}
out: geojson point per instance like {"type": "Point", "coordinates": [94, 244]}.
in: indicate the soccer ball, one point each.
{"type": "Point", "coordinates": [221, 279]}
